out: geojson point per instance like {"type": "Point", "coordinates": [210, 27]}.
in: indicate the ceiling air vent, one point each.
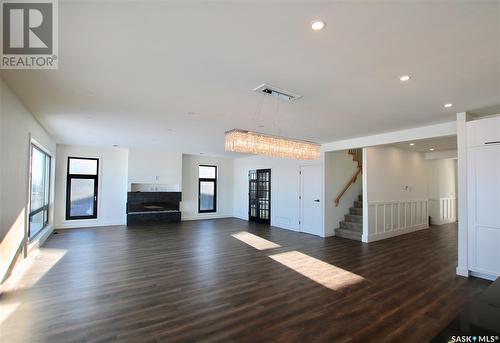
{"type": "Point", "coordinates": [277, 92]}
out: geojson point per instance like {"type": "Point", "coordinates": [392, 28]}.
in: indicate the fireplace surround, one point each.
{"type": "Point", "coordinates": [153, 208]}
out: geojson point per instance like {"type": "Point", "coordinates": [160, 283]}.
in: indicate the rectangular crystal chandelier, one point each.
{"type": "Point", "coordinates": [262, 144]}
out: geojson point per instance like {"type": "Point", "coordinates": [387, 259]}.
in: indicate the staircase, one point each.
{"type": "Point", "coordinates": [352, 225]}
{"type": "Point", "coordinates": [358, 158]}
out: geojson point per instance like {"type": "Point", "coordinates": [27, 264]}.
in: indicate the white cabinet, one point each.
{"type": "Point", "coordinates": [483, 132]}
{"type": "Point", "coordinates": [483, 183]}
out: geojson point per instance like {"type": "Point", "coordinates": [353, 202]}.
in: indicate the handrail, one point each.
{"type": "Point", "coordinates": [358, 158]}
{"type": "Point", "coordinates": [356, 155]}
{"type": "Point", "coordinates": [351, 181]}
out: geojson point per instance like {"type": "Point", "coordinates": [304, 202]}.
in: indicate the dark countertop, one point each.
{"type": "Point", "coordinates": [480, 317]}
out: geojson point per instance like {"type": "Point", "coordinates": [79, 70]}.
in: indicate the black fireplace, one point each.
{"type": "Point", "coordinates": [153, 208]}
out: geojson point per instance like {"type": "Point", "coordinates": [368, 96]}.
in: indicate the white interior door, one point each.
{"type": "Point", "coordinates": [310, 199]}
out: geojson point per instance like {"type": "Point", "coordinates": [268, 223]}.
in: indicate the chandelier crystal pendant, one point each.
{"type": "Point", "coordinates": [258, 143]}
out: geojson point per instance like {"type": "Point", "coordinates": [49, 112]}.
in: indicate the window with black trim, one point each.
{"type": "Point", "coordinates": [207, 188]}
{"type": "Point", "coordinates": [39, 191]}
{"type": "Point", "coordinates": [81, 188]}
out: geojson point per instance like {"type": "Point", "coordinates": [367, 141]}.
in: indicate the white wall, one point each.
{"type": "Point", "coordinates": [391, 169]}
{"type": "Point", "coordinates": [396, 192]}
{"type": "Point", "coordinates": [442, 183]}
{"type": "Point", "coordinates": [285, 188]}
{"type": "Point", "coordinates": [16, 125]}
{"type": "Point", "coordinates": [189, 205]}
{"type": "Point", "coordinates": [339, 169]}
{"type": "Point", "coordinates": [441, 178]}
{"type": "Point", "coordinates": [112, 185]}
{"type": "Point", "coordinates": [441, 155]}
{"type": "Point", "coordinates": [155, 167]}
{"type": "Point", "coordinates": [463, 240]}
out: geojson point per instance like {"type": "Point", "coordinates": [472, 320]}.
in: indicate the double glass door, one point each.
{"type": "Point", "coordinates": [259, 192]}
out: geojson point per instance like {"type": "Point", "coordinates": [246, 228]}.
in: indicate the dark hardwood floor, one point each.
{"type": "Point", "coordinates": [194, 281]}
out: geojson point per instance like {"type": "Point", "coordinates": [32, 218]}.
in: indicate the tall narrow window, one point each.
{"type": "Point", "coordinates": [81, 188]}
{"type": "Point", "coordinates": [207, 189]}
{"type": "Point", "coordinates": [40, 191]}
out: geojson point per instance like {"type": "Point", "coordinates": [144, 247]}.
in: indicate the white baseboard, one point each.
{"type": "Point", "coordinates": [443, 222]}
{"type": "Point", "coordinates": [41, 238]}
{"type": "Point", "coordinates": [284, 227]}
{"type": "Point", "coordinates": [384, 235]}
{"type": "Point", "coordinates": [364, 238]}
{"type": "Point", "coordinates": [329, 234]}
{"type": "Point", "coordinates": [206, 216]}
{"type": "Point", "coordinates": [484, 275]}
{"type": "Point", "coordinates": [461, 271]}
{"type": "Point", "coordinates": [86, 225]}
{"type": "Point", "coordinates": [241, 216]}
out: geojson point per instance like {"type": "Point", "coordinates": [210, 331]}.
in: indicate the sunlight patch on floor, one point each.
{"type": "Point", "coordinates": [11, 243]}
{"type": "Point", "coordinates": [6, 310]}
{"type": "Point", "coordinates": [257, 242]}
{"type": "Point", "coordinates": [33, 269]}
{"type": "Point", "coordinates": [329, 276]}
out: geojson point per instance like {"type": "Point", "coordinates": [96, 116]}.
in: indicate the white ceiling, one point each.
{"type": "Point", "coordinates": [424, 145]}
{"type": "Point", "coordinates": [177, 75]}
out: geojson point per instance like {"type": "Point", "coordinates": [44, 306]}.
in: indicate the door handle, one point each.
{"type": "Point", "coordinates": [316, 200]}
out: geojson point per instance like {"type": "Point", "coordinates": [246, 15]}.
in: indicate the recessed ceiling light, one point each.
{"type": "Point", "coordinates": [412, 144]}
{"type": "Point", "coordinates": [448, 105]}
{"type": "Point", "coordinates": [405, 78]}
{"type": "Point", "coordinates": [431, 149]}
{"type": "Point", "coordinates": [317, 25]}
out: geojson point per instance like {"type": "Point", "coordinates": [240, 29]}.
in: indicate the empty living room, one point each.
{"type": "Point", "coordinates": [249, 171]}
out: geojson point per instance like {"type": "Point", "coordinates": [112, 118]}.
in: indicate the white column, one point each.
{"type": "Point", "coordinates": [463, 241]}
{"type": "Point", "coordinates": [327, 195]}
{"type": "Point", "coordinates": [364, 236]}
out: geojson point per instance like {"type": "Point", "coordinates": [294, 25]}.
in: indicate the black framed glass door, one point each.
{"type": "Point", "coordinates": [259, 194]}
